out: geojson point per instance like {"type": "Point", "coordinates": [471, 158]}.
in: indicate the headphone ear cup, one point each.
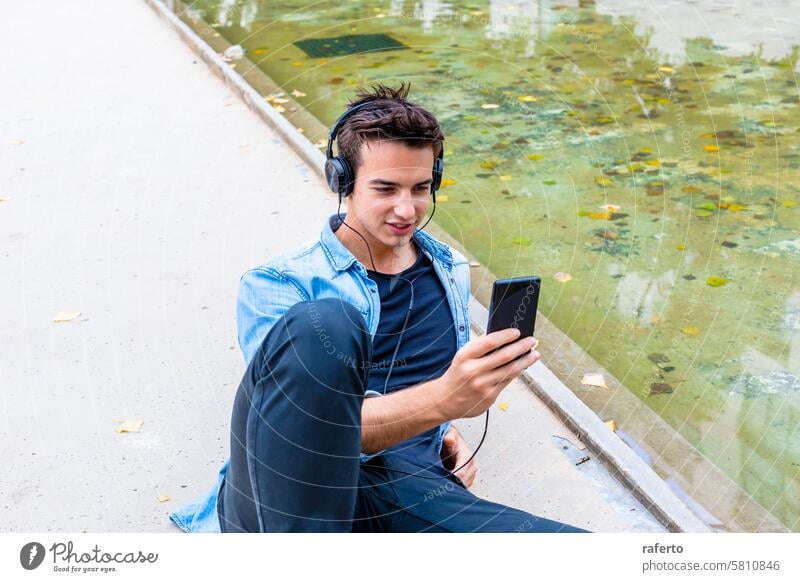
{"type": "Point", "coordinates": [347, 182]}
{"type": "Point", "coordinates": [436, 178]}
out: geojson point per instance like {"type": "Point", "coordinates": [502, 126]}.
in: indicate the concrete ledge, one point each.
{"type": "Point", "coordinates": [618, 457]}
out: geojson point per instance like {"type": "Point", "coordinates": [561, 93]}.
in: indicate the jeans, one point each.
{"type": "Point", "coordinates": [296, 440]}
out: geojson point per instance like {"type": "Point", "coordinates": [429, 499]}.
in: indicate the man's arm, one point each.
{"type": "Point", "coordinates": [393, 418]}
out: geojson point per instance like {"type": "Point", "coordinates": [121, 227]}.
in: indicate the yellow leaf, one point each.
{"type": "Point", "coordinates": [259, 51]}
{"type": "Point", "coordinates": [562, 277]}
{"type": "Point", "coordinates": [442, 198]}
{"type": "Point", "coordinates": [488, 165]}
{"type": "Point", "coordinates": [602, 180]}
{"type": "Point", "coordinates": [785, 203]}
{"type": "Point", "coordinates": [666, 69]}
{"type": "Point", "coordinates": [653, 163]}
{"type": "Point", "coordinates": [600, 215]}
{"type": "Point", "coordinates": [736, 207]}
{"type": "Point", "coordinates": [62, 316]}
{"type": "Point", "coordinates": [163, 498]}
{"type": "Point", "coordinates": [447, 182]}
{"type": "Point", "coordinates": [4, 198]}
{"type": "Point", "coordinates": [711, 148]}
{"type": "Point", "coordinates": [612, 425]}
{"type": "Point", "coordinates": [717, 281]}
{"type": "Point", "coordinates": [489, 106]}
{"type": "Point", "coordinates": [297, 63]}
{"type": "Point", "coordinates": [297, 93]}
{"type": "Point", "coordinates": [691, 330]}
{"type": "Point", "coordinates": [503, 406]}
{"type": "Point", "coordinates": [594, 379]}
{"type": "Point", "coordinates": [611, 207]}
{"type": "Point", "coordinates": [130, 426]}
{"type": "Point", "coordinates": [535, 157]}
{"type": "Point", "coordinates": [506, 178]}
{"type": "Point", "coordinates": [646, 150]}
{"type": "Point", "coordinates": [527, 98]}
{"type": "Point", "coordinates": [680, 247]}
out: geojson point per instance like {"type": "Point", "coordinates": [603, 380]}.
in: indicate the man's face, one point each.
{"type": "Point", "coordinates": [393, 185]}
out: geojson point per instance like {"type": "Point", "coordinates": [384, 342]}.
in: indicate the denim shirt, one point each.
{"type": "Point", "coordinates": [322, 268]}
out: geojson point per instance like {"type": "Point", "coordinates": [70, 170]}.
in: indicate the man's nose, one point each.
{"type": "Point", "coordinates": [404, 207]}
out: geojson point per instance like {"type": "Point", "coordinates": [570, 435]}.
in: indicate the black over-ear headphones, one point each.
{"type": "Point", "coordinates": [340, 174]}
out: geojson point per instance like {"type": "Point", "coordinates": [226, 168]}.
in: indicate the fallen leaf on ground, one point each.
{"type": "Point", "coordinates": [474, 264]}
{"type": "Point", "coordinates": [297, 93]}
{"type": "Point", "coordinates": [130, 426]}
{"type": "Point", "coordinates": [594, 379]}
{"type": "Point", "coordinates": [62, 316]}
{"type": "Point", "coordinates": [163, 498]}
{"type": "Point", "coordinates": [4, 198]}
{"type": "Point", "coordinates": [503, 406]}
{"type": "Point", "coordinates": [489, 106]}
{"type": "Point", "coordinates": [442, 198]}
{"type": "Point", "coordinates": [562, 277]}
{"type": "Point", "coordinates": [612, 425]}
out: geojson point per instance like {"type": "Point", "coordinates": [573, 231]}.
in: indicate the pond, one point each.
{"type": "Point", "coordinates": [643, 160]}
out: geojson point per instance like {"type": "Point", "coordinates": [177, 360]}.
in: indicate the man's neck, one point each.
{"type": "Point", "coordinates": [388, 260]}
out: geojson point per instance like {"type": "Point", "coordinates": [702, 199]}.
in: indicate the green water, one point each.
{"type": "Point", "coordinates": [664, 182]}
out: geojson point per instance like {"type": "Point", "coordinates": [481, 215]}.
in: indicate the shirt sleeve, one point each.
{"type": "Point", "coordinates": [264, 296]}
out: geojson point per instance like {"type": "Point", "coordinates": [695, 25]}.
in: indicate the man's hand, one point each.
{"type": "Point", "coordinates": [455, 452]}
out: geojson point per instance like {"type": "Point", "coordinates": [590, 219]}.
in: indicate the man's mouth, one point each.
{"type": "Point", "coordinates": [399, 228]}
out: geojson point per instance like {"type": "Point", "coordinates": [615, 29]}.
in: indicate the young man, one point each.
{"type": "Point", "coordinates": [359, 356]}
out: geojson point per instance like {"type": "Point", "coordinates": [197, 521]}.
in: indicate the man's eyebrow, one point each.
{"type": "Point", "coordinates": [383, 182]}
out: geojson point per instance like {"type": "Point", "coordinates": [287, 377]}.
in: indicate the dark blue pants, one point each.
{"type": "Point", "coordinates": [296, 440]}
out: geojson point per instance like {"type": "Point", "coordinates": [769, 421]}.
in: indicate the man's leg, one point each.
{"type": "Point", "coordinates": [296, 424]}
{"type": "Point", "coordinates": [445, 505]}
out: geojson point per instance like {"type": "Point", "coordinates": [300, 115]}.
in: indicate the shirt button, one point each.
{"type": "Point", "coordinates": [461, 327]}
{"type": "Point", "coordinates": [372, 290]}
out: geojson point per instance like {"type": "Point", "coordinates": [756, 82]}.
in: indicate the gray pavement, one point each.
{"type": "Point", "coordinates": [136, 190]}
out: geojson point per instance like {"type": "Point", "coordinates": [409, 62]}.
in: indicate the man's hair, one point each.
{"type": "Point", "coordinates": [389, 116]}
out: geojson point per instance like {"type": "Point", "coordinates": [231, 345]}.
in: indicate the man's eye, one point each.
{"type": "Point", "coordinates": [383, 189]}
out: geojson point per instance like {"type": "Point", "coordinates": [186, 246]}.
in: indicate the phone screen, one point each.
{"type": "Point", "coordinates": [514, 304]}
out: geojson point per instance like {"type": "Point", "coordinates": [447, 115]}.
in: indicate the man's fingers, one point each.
{"type": "Point", "coordinates": [490, 342]}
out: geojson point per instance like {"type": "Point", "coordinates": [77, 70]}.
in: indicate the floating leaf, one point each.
{"type": "Point", "coordinates": [602, 180]}
{"type": "Point", "coordinates": [680, 247]}
{"type": "Point", "coordinates": [611, 207]}
{"type": "Point", "coordinates": [527, 98]}
{"type": "Point", "coordinates": [521, 241]}
{"type": "Point", "coordinates": [535, 157]}
{"type": "Point", "coordinates": [488, 165]}
{"type": "Point", "coordinates": [594, 379]}
{"type": "Point", "coordinates": [717, 281]}
{"type": "Point", "coordinates": [660, 388]}
{"type": "Point", "coordinates": [549, 182]}
{"type": "Point", "coordinates": [703, 213]}
{"type": "Point", "coordinates": [729, 244]}
{"type": "Point", "coordinates": [442, 198]}
{"type": "Point", "coordinates": [736, 207]}
{"type": "Point", "coordinates": [297, 63]}
{"type": "Point", "coordinates": [646, 150]}
{"type": "Point", "coordinates": [690, 189]}
{"type": "Point", "coordinates": [657, 358]}
{"type": "Point", "coordinates": [666, 69]}
{"type": "Point", "coordinates": [506, 178]}
{"type": "Point", "coordinates": [653, 163]}
{"type": "Point", "coordinates": [691, 330]}
{"type": "Point", "coordinates": [711, 148]}
{"type": "Point", "coordinates": [63, 316]}
{"type": "Point", "coordinates": [297, 93]}
{"type": "Point", "coordinates": [447, 182]}
{"type": "Point", "coordinates": [789, 203]}
{"type": "Point", "coordinates": [259, 51]}
{"type": "Point", "coordinates": [562, 277]}
{"type": "Point", "coordinates": [600, 215]}
{"type": "Point", "coordinates": [489, 106]}
{"type": "Point", "coordinates": [503, 406]}
{"type": "Point", "coordinates": [130, 426]}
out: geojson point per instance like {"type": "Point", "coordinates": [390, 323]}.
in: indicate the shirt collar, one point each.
{"type": "Point", "coordinates": [341, 257]}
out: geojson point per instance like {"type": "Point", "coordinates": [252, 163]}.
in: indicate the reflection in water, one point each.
{"type": "Point", "coordinates": [651, 151]}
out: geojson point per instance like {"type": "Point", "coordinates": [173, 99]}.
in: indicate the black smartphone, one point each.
{"type": "Point", "coordinates": [514, 304]}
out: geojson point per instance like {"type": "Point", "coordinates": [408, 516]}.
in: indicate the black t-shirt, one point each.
{"type": "Point", "coordinates": [427, 346]}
